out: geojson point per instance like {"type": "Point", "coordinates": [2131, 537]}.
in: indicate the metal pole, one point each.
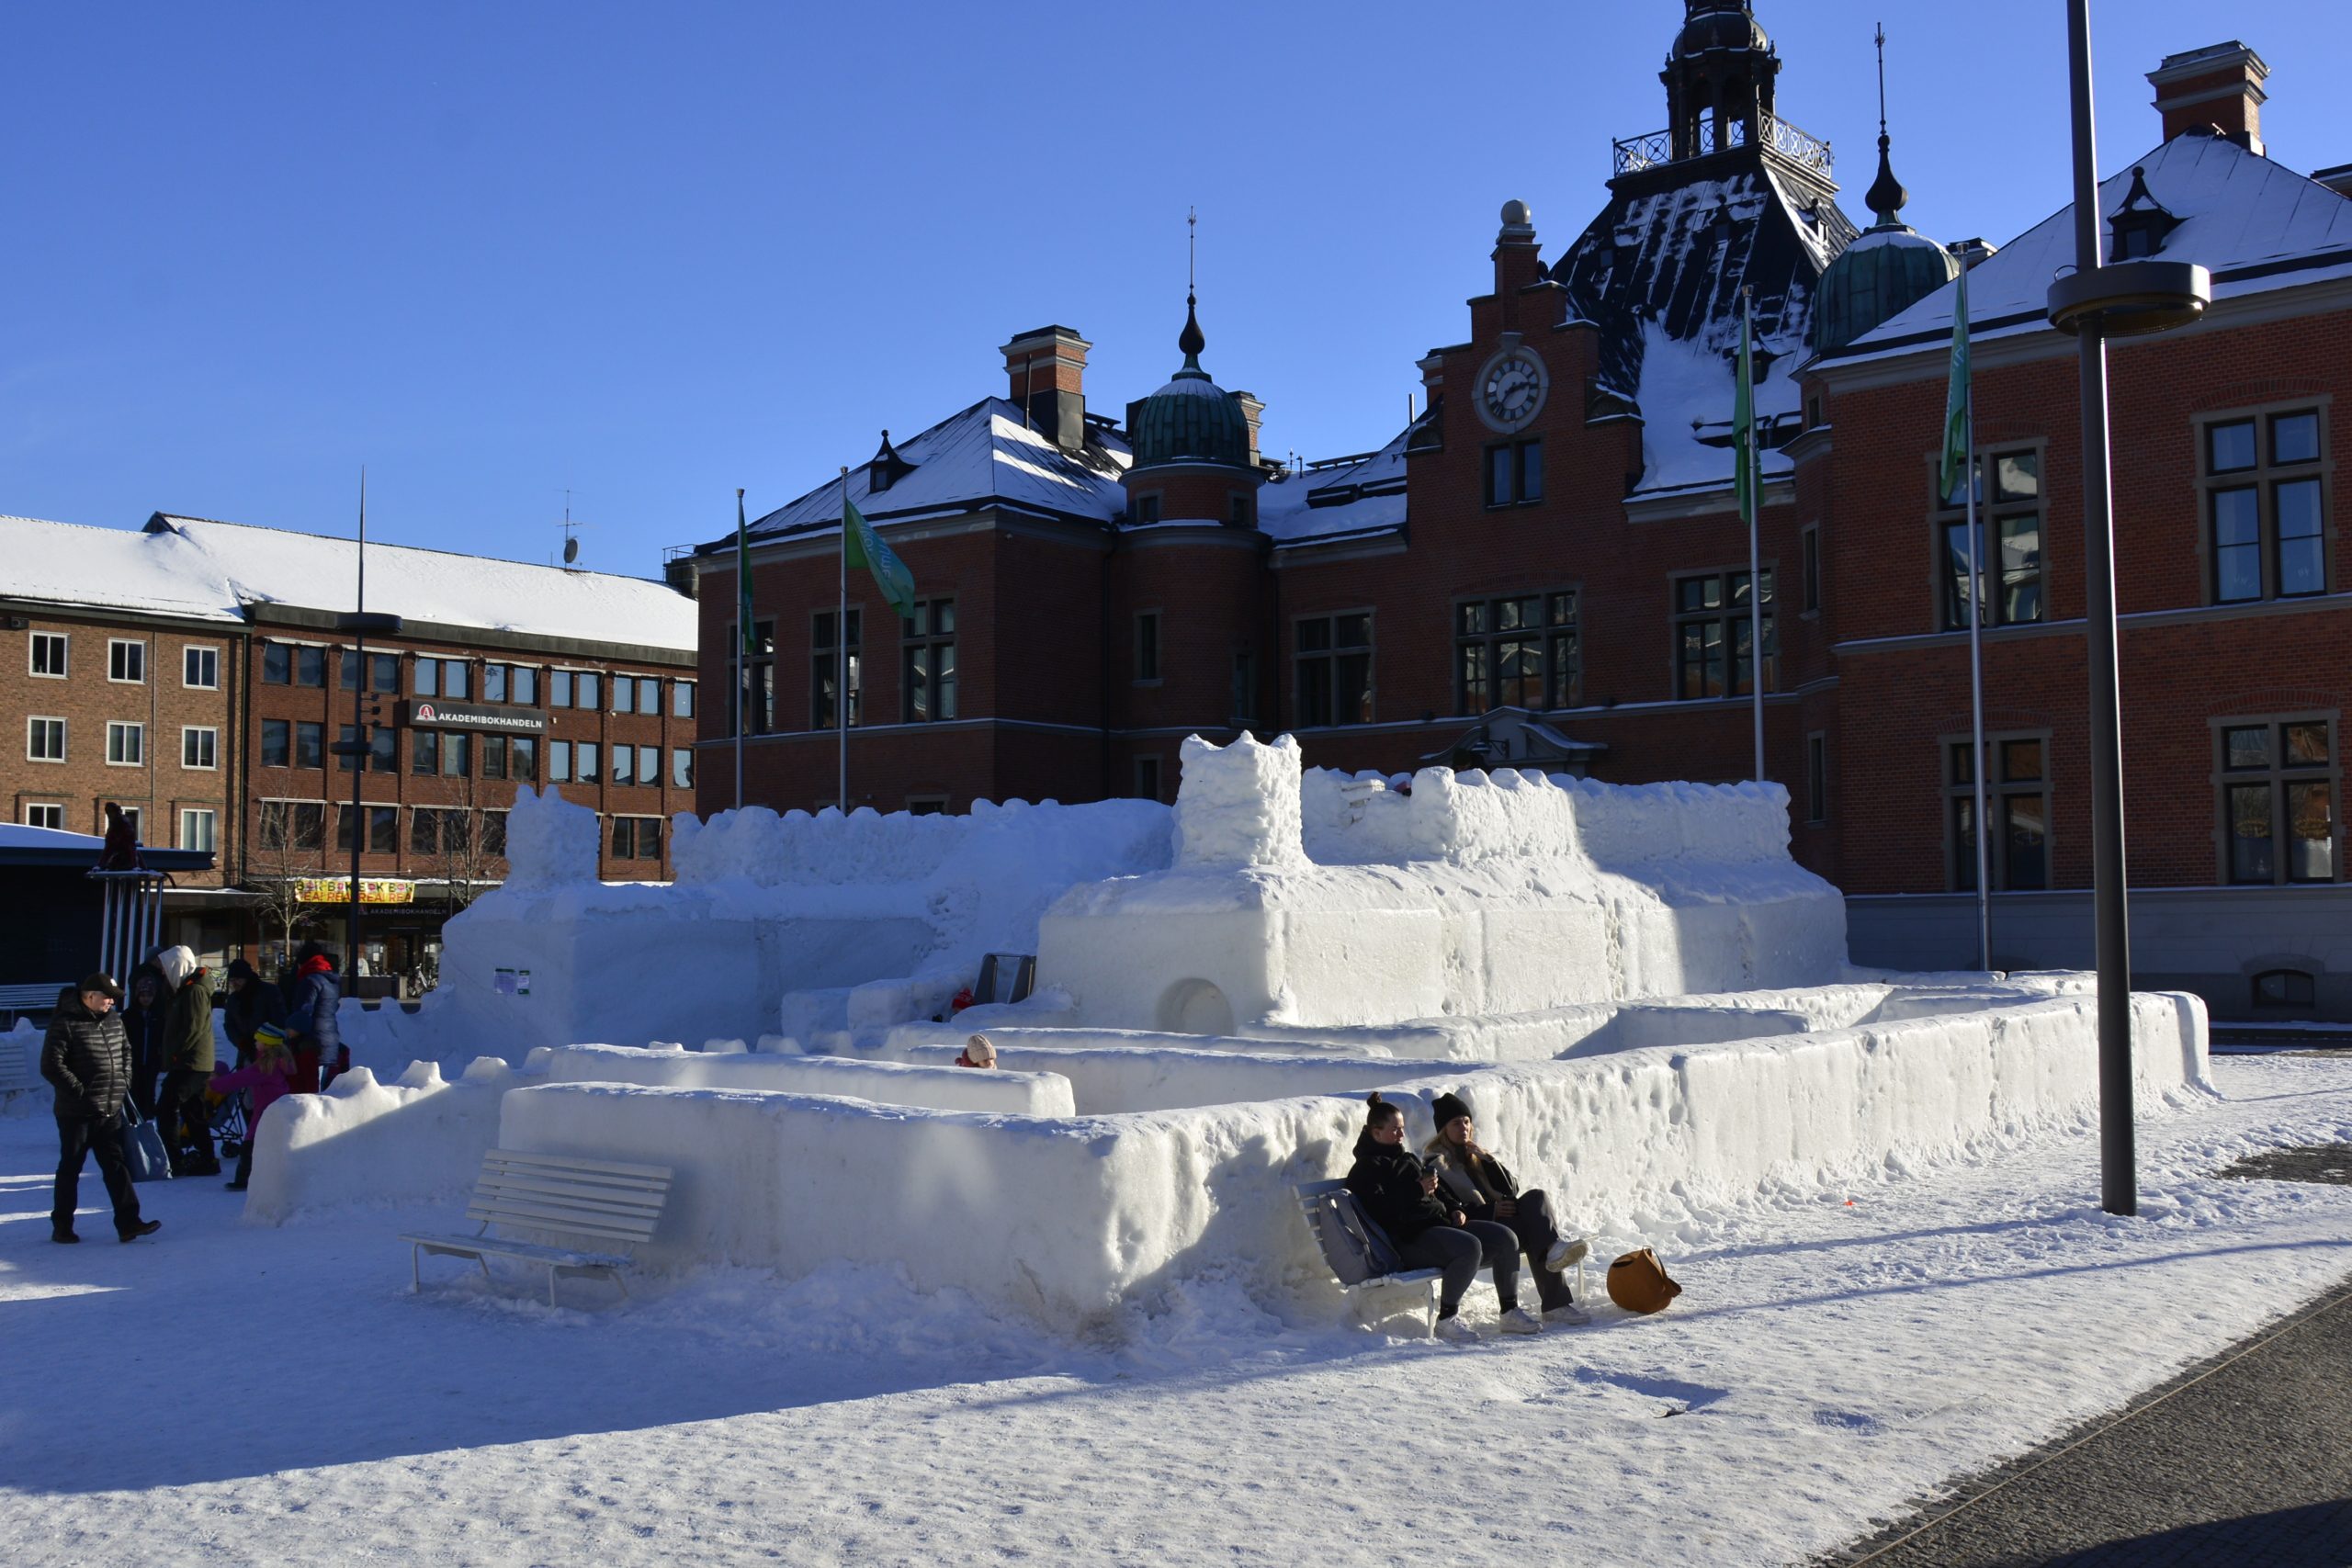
{"type": "Point", "coordinates": [1979, 762]}
{"type": "Point", "coordinates": [840, 659]}
{"type": "Point", "coordinates": [742, 666]}
{"type": "Point", "coordinates": [1755, 556]}
{"type": "Point", "coordinates": [2118, 1159]}
{"type": "Point", "coordinates": [360, 737]}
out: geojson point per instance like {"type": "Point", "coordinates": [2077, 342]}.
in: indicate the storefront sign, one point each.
{"type": "Point", "coordinates": [337, 890]}
{"type": "Point", "coordinates": [472, 716]}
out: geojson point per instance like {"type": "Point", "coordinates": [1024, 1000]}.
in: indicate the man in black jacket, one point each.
{"type": "Point", "coordinates": [87, 1057]}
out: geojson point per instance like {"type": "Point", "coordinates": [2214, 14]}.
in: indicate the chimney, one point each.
{"type": "Point", "coordinates": [2219, 87]}
{"type": "Point", "coordinates": [1518, 260]}
{"type": "Point", "coordinates": [1046, 369]}
{"type": "Point", "coordinates": [2337, 179]}
{"type": "Point", "coordinates": [1252, 410]}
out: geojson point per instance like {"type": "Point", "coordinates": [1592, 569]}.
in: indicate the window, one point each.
{"type": "Point", "coordinates": [131, 814]}
{"type": "Point", "coordinates": [1147, 778]}
{"type": "Point", "coordinates": [523, 758]}
{"type": "Point", "coordinates": [1514, 473]}
{"type": "Point", "coordinates": [523, 689]}
{"type": "Point", "coordinates": [1147, 509]}
{"type": "Point", "coordinates": [1810, 541]}
{"type": "Point", "coordinates": [2016, 801]}
{"type": "Point", "coordinates": [292, 824]}
{"type": "Point", "coordinates": [559, 688]}
{"type": "Point", "coordinates": [126, 745]}
{"type": "Point", "coordinates": [44, 740]}
{"type": "Point", "coordinates": [2285, 988]}
{"type": "Point", "coordinates": [383, 748]}
{"type": "Point", "coordinates": [494, 832]}
{"type": "Point", "coordinates": [493, 682]}
{"type": "Point", "coordinates": [199, 829]}
{"type": "Point", "coordinates": [926, 805]}
{"type": "Point", "coordinates": [682, 769]}
{"type": "Point", "coordinates": [277, 664]}
{"type": "Point", "coordinates": [2278, 783]}
{"type": "Point", "coordinates": [1242, 700]}
{"type": "Point", "coordinates": [821, 672]}
{"type": "Point", "coordinates": [49, 655]}
{"type": "Point", "coordinates": [558, 762]}
{"type": "Point", "coordinates": [310, 667]}
{"type": "Point", "coordinates": [682, 699]}
{"type": "Point", "coordinates": [1334, 656]}
{"type": "Point", "coordinates": [624, 764]}
{"type": "Point", "coordinates": [928, 660]}
{"type": "Point", "coordinates": [126, 661]}
{"type": "Point", "coordinates": [450, 678]}
{"type": "Point", "coordinates": [383, 671]}
{"type": "Point", "coordinates": [584, 757]}
{"type": "Point", "coordinates": [1146, 646]}
{"type": "Point", "coordinates": [623, 695]}
{"type": "Point", "coordinates": [586, 687]}
{"type": "Point", "coordinates": [423, 752]}
{"type": "Point", "coordinates": [2263, 509]}
{"type": "Point", "coordinates": [383, 828]}
{"type": "Point", "coordinates": [276, 743]}
{"type": "Point", "coordinates": [199, 747]}
{"type": "Point", "coordinates": [494, 750]}
{"type": "Point", "coordinates": [1710, 637]}
{"type": "Point", "coordinates": [309, 744]}
{"type": "Point", "coordinates": [1517, 653]}
{"type": "Point", "coordinates": [1238, 510]}
{"type": "Point", "coordinates": [200, 668]}
{"type": "Point", "coordinates": [457, 754]}
{"type": "Point", "coordinates": [432, 831]}
{"type": "Point", "coordinates": [2009, 543]}
{"type": "Point", "coordinates": [636, 838]}
{"type": "Point", "coordinates": [648, 765]}
{"type": "Point", "coordinates": [649, 695]}
{"type": "Point", "coordinates": [1816, 778]}
{"type": "Point", "coordinates": [46, 815]}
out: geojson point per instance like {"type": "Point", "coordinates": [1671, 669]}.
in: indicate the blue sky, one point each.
{"type": "Point", "coordinates": [649, 254]}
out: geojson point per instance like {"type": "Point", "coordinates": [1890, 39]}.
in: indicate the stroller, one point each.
{"type": "Point", "coordinates": [226, 1116]}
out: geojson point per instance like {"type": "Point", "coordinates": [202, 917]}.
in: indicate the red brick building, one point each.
{"type": "Point", "coordinates": [1546, 568]}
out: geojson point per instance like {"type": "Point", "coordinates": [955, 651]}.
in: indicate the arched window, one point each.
{"type": "Point", "coordinates": [2283, 989]}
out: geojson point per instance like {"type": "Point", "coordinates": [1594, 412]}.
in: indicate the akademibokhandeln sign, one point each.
{"type": "Point", "coordinates": [438, 715]}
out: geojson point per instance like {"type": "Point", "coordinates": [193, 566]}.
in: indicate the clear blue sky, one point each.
{"type": "Point", "coordinates": [653, 253]}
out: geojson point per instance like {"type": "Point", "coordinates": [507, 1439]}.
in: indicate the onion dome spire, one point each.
{"type": "Point", "coordinates": [1886, 196]}
{"type": "Point", "coordinates": [1190, 339]}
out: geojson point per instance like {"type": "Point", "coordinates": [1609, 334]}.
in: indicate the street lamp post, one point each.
{"type": "Point", "coordinates": [2096, 302]}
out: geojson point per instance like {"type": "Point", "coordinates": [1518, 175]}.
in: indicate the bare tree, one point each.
{"type": "Point", "coordinates": [287, 847]}
{"type": "Point", "coordinates": [466, 849]}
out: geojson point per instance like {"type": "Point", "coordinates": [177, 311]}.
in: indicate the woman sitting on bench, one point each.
{"type": "Point", "coordinates": [1401, 1194]}
{"type": "Point", "coordinates": [1476, 1182]}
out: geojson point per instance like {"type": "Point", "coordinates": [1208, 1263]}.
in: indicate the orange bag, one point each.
{"type": "Point", "coordinates": [1638, 1282]}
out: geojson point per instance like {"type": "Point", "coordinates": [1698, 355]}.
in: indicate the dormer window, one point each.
{"type": "Point", "coordinates": [886, 467]}
{"type": "Point", "coordinates": [2141, 224]}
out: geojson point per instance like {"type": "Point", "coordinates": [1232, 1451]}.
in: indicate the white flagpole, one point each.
{"type": "Point", "coordinates": [1980, 763]}
{"type": "Point", "coordinates": [840, 660]}
{"type": "Point", "coordinates": [1755, 524]}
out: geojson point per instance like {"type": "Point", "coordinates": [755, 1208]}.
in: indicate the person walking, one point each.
{"type": "Point", "coordinates": [142, 1021]}
{"type": "Point", "coordinates": [319, 1052]}
{"type": "Point", "coordinates": [251, 1002]}
{"type": "Point", "coordinates": [86, 1058]}
{"type": "Point", "coordinates": [181, 1112]}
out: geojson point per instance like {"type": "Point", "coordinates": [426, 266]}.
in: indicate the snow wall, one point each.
{"type": "Point", "coordinates": [938, 1086]}
{"type": "Point", "coordinates": [362, 1140]}
{"type": "Point", "coordinates": [20, 1064]}
{"type": "Point", "coordinates": [1319, 900]}
{"type": "Point", "coordinates": [1628, 1144]}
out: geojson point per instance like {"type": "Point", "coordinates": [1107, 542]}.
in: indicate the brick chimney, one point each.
{"type": "Point", "coordinates": [1253, 413]}
{"type": "Point", "coordinates": [1046, 369]}
{"type": "Point", "coordinates": [2218, 87]}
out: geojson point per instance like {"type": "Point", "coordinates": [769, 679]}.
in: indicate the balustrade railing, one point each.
{"type": "Point", "coordinates": [1791, 142]}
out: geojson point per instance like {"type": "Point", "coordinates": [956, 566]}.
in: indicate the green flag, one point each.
{"type": "Point", "coordinates": [861, 546]}
{"type": "Point", "coordinates": [1742, 426]}
{"type": "Point", "coordinates": [1954, 471]}
{"type": "Point", "coordinates": [742, 578]}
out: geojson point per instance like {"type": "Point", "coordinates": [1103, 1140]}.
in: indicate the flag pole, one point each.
{"type": "Point", "coordinates": [840, 661]}
{"type": "Point", "coordinates": [1753, 505]}
{"type": "Point", "coordinates": [1980, 763]}
{"type": "Point", "coordinates": [742, 642]}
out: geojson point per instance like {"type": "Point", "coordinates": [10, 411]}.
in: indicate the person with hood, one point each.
{"type": "Point", "coordinates": [181, 1114]}
{"type": "Point", "coordinates": [142, 1019]}
{"type": "Point", "coordinates": [86, 1058]}
{"type": "Point", "coordinates": [1400, 1193]}
{"type": "Point", "coordinates": [1473, 1180]}
{"type": "Point", "coordinates": [269, 1079]}
{"type": "Point", "coordinates": [251, 1002]}
{"type": "Point", "coordinates": [311, 1022]}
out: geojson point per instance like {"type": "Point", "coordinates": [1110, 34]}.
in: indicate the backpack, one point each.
{"type": "Point", "coordinates": [1638, 1282]}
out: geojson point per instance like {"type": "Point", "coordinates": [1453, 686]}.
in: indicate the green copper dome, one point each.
{"type": "Point", "coordinates": [1192, 419]}
{"type": "Point", "coordinates": [1888, 268]}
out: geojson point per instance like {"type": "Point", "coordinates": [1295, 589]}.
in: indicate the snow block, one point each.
{"type": "Point", "coordinates": [366, 1141]}
{"type": "Point", "coordinates": [1030, 1092]}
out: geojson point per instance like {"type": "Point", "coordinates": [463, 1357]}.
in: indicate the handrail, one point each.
{"type": "Point", "coordinates": [1792, 141]}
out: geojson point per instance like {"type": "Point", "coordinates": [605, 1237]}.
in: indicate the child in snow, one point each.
{"type": "Point", "coordinates": [978, 1052]}
{"type": "Point", "coordinates": [1474, 1182]}
{"type": "Point", "coordinates": [269, 1079]}
{"type": "Point", "coordinates": [1400, 1193]}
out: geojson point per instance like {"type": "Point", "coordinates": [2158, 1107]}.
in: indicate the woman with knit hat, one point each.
{"type": "Point", "coordinates": [1476, 1181]}
{"type": "Point", "coordinates": [1401, 1195]}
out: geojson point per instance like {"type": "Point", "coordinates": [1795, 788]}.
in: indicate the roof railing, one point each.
{"type": "Point", "coordinates": [1653, 148]}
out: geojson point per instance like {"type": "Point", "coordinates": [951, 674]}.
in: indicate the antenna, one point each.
{"type": "Point", "coordinates": [1192, 235]}
{"type": "Point", "coordinates": [570, 538]}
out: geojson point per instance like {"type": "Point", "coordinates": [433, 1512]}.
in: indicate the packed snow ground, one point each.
{"type": "Point", "coordinates": [232, 1395]}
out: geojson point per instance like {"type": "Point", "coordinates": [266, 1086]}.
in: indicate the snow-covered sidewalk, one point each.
{"type": "Point", "coordinates": [232, 1395]}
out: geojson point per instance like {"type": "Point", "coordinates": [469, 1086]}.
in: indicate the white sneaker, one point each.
{"type": "Point", "coordinates": [1454, 1331]}
{"type": "Point", "coordinates": [1571, 1314]}
{"type": "Point", "coordinates": [1519, 1320]}
{"type": "Point", "coordinates": [1565, 1255]}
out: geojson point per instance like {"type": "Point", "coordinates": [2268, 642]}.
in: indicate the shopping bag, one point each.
{"type": "Point", "coordinates": [143, 1148]}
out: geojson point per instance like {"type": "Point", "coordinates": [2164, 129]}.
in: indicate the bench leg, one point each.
{"type": "Point", "coordinates": [415, 1275]}
{"type": "Point", "coordinates": [550, 1284]}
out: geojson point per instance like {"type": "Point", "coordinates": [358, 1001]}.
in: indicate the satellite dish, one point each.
{"type": "Point", "coordinates": [571, 551]}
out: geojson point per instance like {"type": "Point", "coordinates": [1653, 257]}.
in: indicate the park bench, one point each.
{"type": "Point", "coordinates": [19, 1064]}
{"type": "Point", "coordinates": [1356, 1248]}
{"type": "Point", "coordinates": [602, 1205]}
{"type": "Point", "coordinates": [20, 1001]}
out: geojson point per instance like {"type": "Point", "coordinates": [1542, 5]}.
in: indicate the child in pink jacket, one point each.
{"type": "Point", "coordinates": [269, 1079]}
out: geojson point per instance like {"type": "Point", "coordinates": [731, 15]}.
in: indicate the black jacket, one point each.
{"type": "Point", "coordinates": [144, 1025]}
{"type": "Point", "coordinates": [1454, 1182]}
{"type": "Point", "coordinates": [88, 1059]}
{"type": "Point", "coordinates": [1386, 1179]}
{"type": "Point", "coordinates": [244, 1010]}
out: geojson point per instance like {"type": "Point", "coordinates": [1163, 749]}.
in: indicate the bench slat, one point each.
{"type": "Point", "coordinates": [619, 1186]}
{"type": "Point", "coordinates": [648, 1203]}
{"type": "Point", "coordinates": [558, 1221]}
{"type": "Point", "coordinates": [588, 1208]}
{"type": "Point", "coordinates": [477, 1246]}
{"type": "Point", "coordinates": [565, 1162]}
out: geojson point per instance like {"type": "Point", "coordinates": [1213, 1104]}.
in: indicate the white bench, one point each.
{"type": "Point", "coordinates": [593, 1201]}
{"type": "Point", "coordinates": [1344, 1231]}
{"type": "Point", "coordinates": [19, 1064]}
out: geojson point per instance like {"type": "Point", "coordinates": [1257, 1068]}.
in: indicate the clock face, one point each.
{"type": "Point", "coordinates": [1512, 391]}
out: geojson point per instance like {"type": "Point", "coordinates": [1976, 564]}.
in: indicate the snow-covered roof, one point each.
{"type": "Point", "coordinates": [2254, 224]}
{"type": "Point", "coordinates": [986, 454]}
{"type": "Point", "coordinates": [315, 571]}
{"type": "Point", "coordinates": [22, 845]}
{"type": "Point", "coordinates": [1364, 496]}
{"type": "Point", "coordinates": [200, 570]}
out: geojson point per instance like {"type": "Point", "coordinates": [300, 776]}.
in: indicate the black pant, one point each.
{"type": "Point", "coordinates": [182, 1101]}
{"type": "Point", "coordinates": [1530, 1221]}
{"type": "Point", "coordinates": [102, 1136]}
{"type": "Point", "coordinates": [1461, 1252]}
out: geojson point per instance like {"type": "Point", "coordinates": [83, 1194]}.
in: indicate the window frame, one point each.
{"type": "Point", "coordinates": [211, 652]}
{"type": "Point", "coordinates": [64, 737]}
{"type": "Point", "coordinates": [53, 814]}
{"type": "Point", "coordinates": [210, 744]}
{"type": "Point", "coordinates": [285, 753]}
{"type": "Point", "coordinates": [132, 644]}
{"type": "Point", "coordinates": [1151, 765]}
{"type": "Point", "coordinates": [2264, 478]}
{"type": "Point", "coordinates": [1809, 568]}
{"type": "Point", "coordinates": [823, 716]}
{"type": "Point", "coordinates": [317, 730]}
{"type": "Point", "coordinates": [1991, 513]}
{"type": "Point", "coordinates": [130, 726]}
{"type": "Point", "coordinates": [641, 827]}
{"type": "Point", "coordinates": [1518, 449]}
{"type": "Point", "coordinates": [682, 754]}
{"type": "Point", "coordinates": [2279, 775]}
{"type": "Point", "coordinates": [64, 642]}
{"type": "Point", "coordinates": [921, 653]}
{"type": "Point", "coordinates": [288, 813]}
{"type": "Point", "coordinates": [1959, 868]}
{"type": "Point", "coordinates": [682, 698]}
{"type": "Point", "coordinates": [1816, 779]}
{"type": "Point", "coordinates": [1546, 633]}
{"type": "Point", "coordinates": [1731, 614]}
{"type": "Point", "coordinates": [1328, 656]}
{"type": "Point", "coordinates": [212, 818]}
{"type": "Point", "coordinates": [1143, 650]}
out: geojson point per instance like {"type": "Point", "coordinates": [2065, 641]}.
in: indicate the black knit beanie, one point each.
{"type": "Point", "coordinates": [1446, 1108]}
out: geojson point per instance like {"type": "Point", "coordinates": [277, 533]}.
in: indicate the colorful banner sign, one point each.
{"type": "Point", "coordinates": [337, 890]}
